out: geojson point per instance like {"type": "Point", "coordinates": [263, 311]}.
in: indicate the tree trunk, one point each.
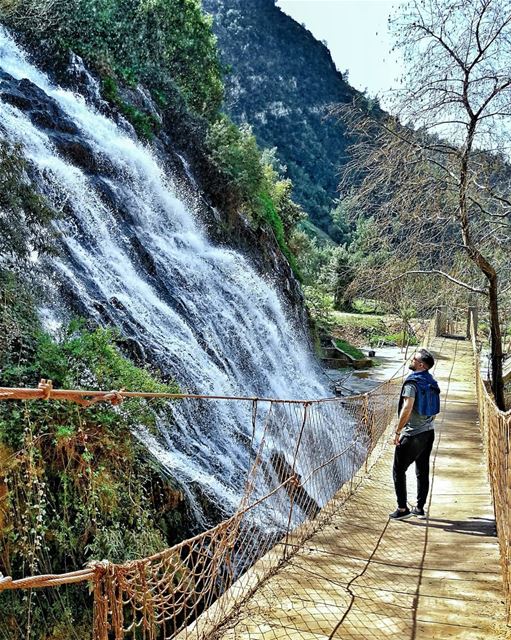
{"type": "Point", "coordinates": [497, 382]}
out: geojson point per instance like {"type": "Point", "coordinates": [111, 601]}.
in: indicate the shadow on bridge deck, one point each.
{"type": "Point", "coordinates": [364, 577]}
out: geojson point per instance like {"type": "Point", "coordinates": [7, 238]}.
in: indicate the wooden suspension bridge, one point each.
{"type": "Point", "coordinates": [346, 571]}
{"type": "Point", "coordinates": [365, 577]}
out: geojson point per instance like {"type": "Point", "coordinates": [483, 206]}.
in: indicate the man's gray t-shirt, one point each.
{"type": "Point", "coordinates": [417, 422]}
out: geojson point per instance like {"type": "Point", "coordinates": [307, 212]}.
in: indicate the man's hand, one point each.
{"type": "Point", "coordinates": [396, 438]}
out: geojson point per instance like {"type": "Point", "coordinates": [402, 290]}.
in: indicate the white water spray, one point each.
{"type": "Point", "coordinates": [206, 314]}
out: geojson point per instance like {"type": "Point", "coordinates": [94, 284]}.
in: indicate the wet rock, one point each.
{"type": "Point", "coordinates": [124, 124]}
{"type": "Point", "coordinates": [46, 114]}
{"type": "Point", "coordinates": [101, 309]}
{"type": "Point", "coordinates": [40, 108]}
{"type": "Point", "coordinates": [147, 103]}
{"type": "Point", "coordinates": [117, 304]}
{"type": "Point", "coordinates": [112, 198]}
{"type": "Point", "coordinates": [76, 150]}
{"type": "Point", "coordinates": [134, 350]}
{"type": "Point", "coordinates": [82, 81]}
{"type": "Point", "coordinates": [144, 256]}
{"type": "Point", "coordinates": [297, 493]}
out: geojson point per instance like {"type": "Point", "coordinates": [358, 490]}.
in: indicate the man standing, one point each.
{"type": "Point", "coordinates": [419, 403]}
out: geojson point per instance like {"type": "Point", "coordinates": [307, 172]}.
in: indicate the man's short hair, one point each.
{"type": "Point", "coordinates": [426, 357]}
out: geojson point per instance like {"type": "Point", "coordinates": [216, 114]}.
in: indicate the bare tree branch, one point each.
{"type": "Point", "coordinates": [428, 194]}
{"type": "Point", "coordinates": [438, 272]}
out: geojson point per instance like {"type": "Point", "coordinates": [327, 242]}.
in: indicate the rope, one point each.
{"type": "Point", "coordinates": [88, 397]}
{"type": "Point", "coordinates": [496, 429]}
{"type": "Point", "coordinates": [332, 443]}
{"type": "Point", "coordinates": [50, 580]}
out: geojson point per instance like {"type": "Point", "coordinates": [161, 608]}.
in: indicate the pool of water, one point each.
{"type": "Point", "coordinates": [352, 381]}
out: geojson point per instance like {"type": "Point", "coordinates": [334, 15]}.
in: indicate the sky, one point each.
{"type": "Point", "coordinates": [356, 32]}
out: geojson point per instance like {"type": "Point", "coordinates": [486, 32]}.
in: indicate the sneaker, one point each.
{"type": "Point", "coordinates": [400, 515]}
{"type": "Point", "coordinates": [419, 513]}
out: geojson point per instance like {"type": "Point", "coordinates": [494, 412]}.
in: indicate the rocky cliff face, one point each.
{"type": "Point", "coordinates": [134, 254]}
{"type": "Point", "coordinates": [179, 146]}
{"type": "Point", "coordinates": [283, 82]}
{"type": "Point", "coordinates": [69, 131]}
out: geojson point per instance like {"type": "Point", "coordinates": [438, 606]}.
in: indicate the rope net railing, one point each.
{"type": "Point", "coordinates": [301, 455]}
{"type": "Point", "coordinates": [496, 428]}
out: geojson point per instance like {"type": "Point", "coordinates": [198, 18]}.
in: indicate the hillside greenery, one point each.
{"type": "Point", "coordinates": [286, 97]}
{"type": "Point", "coordinates": [78, 485]}
{"type": "Point", "coordinates": [169, 48]}
{"type": "Point", "coordinates": [264, 194]}
{"type": "Point", "coordinates": [163, 43]}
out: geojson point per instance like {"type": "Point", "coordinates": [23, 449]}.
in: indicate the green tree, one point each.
{"type": "Point", "coordinates": [234, 150]}
{"type": "Point", "coordinates": [24, 215]}
{"type": "Point", "coordinates": [341, 276]}
{"type": "Point", "coordinates": [342, 224]}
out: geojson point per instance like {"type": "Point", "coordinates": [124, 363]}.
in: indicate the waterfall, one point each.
{"type": "Point", "coordinates": [201, 310]}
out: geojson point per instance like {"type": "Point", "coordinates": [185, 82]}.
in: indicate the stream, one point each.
{"type": "Point", "coordinates": [354, 381]}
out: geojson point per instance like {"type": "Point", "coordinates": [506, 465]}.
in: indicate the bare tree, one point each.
{"type": "Point", "coordinates": [42, 13]}
{"type": "Point", "coordinates": [435, 178]}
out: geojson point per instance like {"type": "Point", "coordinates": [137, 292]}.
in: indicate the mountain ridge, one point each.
{"type": "Point", "coordinates": [283, 82]}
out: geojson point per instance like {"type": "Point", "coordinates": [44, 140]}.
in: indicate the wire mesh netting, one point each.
{"type": "Point", "coordinates": [303, 454]}
{"type": "Point", "coordinates": [300, 455]}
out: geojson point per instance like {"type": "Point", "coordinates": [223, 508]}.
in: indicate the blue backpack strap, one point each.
{"type": "Point", "coordinates": [427, 393]}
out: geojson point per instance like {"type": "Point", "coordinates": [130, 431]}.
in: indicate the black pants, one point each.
{"type": "Point", "coordinates": [413, 449]}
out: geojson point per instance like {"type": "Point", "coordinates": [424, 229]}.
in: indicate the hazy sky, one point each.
{"type": "Point", "coordinates": [357, 36]}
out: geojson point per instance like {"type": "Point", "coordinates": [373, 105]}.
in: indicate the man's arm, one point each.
{"type": "Point", "coordinates": [404, 416]}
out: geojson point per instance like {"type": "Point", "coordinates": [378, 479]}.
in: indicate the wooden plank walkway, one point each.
{"type": "Point", "coordinates": [364, 577]}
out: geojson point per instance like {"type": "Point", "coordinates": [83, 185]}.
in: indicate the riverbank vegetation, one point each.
{"type": "Point", "coordinates": [77, 483]}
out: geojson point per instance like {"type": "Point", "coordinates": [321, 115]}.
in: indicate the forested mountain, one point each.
{"type": "Point", "coordinates": [282, 81]}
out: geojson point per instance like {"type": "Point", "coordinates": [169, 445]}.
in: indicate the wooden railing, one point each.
{"type": "Point", "coordinates": [496, 427]}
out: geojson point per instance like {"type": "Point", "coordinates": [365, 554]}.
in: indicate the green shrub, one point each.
{"type": "Point", "coordinates": [351, 350]}
{"type": "Point", "coordinates": [79, 485]}
{"type": "Point", "coordinates": [319, 305]}
{"type": "Point", "coordinates": [258, 187]}
{"type": "Point", "coordinates": [234, 150]}
{"type": "Point", "coordinates": [369, 307]}
{"type": "Point", "coordinates": [145, 124]}
{"type": "Point", "coordinates": [273, 219]}
{"type": "Point", "coordinates": [369, 324]}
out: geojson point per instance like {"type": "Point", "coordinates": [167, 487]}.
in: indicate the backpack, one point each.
{"type": "Point", "coordinates": [427, 393]}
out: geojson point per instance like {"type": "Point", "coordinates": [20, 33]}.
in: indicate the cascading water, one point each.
{"type": "Point", "coordinates": [202, 311]}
